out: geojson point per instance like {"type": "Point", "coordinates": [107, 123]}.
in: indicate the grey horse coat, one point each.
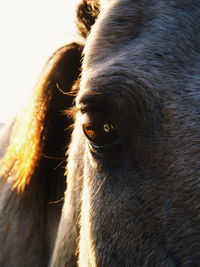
{"type": "Point", "coordinates": [133, 173]}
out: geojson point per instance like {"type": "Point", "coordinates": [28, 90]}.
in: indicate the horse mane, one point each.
{"type": "Point", "coordinates": [35, 127]}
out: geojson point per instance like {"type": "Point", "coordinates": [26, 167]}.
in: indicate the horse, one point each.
{"type": "Point", "coordinates": [129, 193]}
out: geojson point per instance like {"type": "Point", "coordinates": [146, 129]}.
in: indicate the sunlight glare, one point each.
{"type": "Point", "coordinates": [30, 32]}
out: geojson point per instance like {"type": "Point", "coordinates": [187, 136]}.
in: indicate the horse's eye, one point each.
{"type": "Point", "coordinates": [99, 130]}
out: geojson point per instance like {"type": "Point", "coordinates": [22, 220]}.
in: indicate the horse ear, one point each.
{"type": "Point", "coordinates": [41, 128]}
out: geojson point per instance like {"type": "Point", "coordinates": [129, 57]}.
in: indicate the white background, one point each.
{"type": "Point", "coordinates": [30, 31]}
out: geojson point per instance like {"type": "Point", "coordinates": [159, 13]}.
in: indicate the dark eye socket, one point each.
{"type": "Point", "coordinates": [99, 130]}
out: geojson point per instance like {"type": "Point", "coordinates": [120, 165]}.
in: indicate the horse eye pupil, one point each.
{"type": "Point", "coordinates": [89, 131]}
{"type": "Point", "coordinates": [89, 128]}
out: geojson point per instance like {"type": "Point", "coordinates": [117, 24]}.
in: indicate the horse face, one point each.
{"type": "Point", "coordinates": [138, 126]}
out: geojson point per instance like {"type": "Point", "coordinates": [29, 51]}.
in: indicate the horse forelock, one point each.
{"type": "Point", "coordinates": [87, 13]}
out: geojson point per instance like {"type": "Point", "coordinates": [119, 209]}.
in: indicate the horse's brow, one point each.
{"type": "Point", "coordinates": [90, 97]}
{"type": "Point", "coordinates": [93, 100]}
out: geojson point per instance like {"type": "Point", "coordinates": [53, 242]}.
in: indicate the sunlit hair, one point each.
{"type": "Point", "coordinates": [27, 137]}
{"type": "Point", "coordinates": [30, 129]}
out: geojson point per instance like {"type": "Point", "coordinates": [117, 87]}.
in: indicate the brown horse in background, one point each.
{"type": "Point", "coordinates": [133, 173]}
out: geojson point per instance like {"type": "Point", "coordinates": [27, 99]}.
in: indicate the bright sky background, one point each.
{"type": "Point", "coordinates": [30, 31]}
